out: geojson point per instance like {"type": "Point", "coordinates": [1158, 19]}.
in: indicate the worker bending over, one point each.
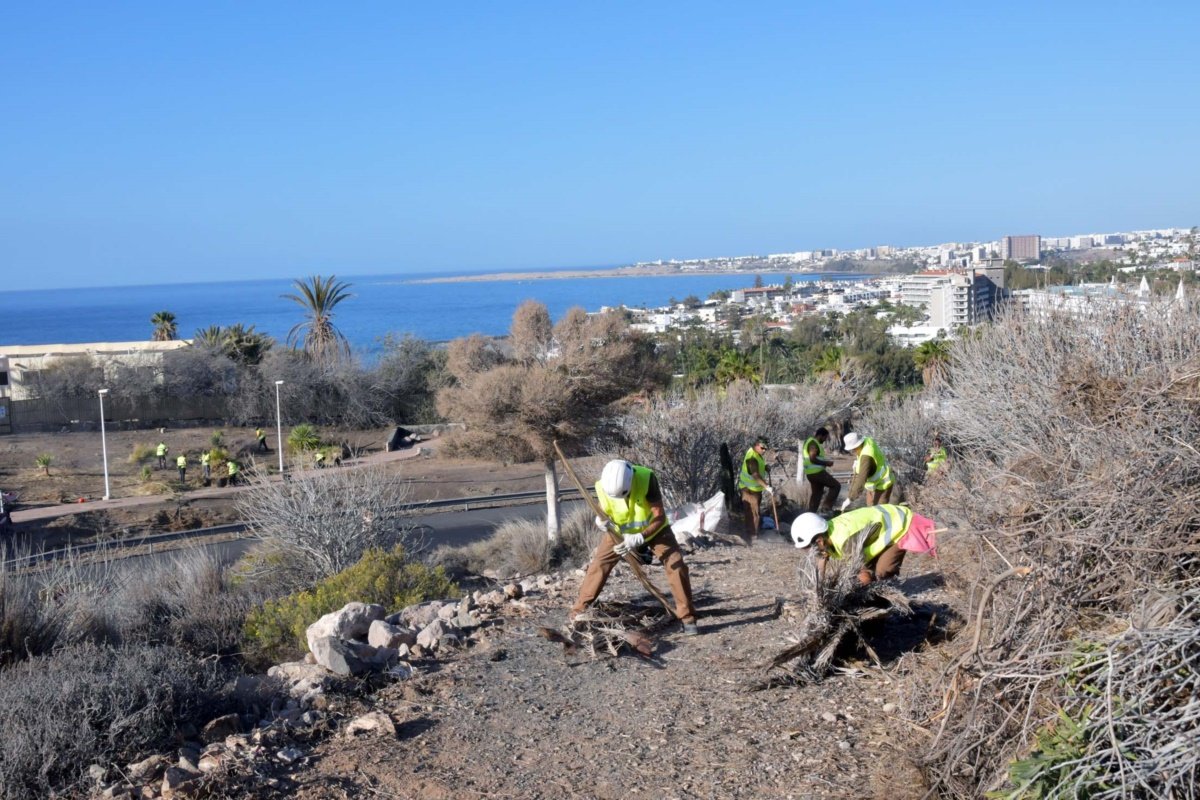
{"type": "Point", "coordinates": [822, 486]}
{"type": "Point", "coordinates": [885, 526]}
{"type": "Point", "coordinates": [631, 500]}
{"type": "Point", "coordinates": [871, 471]}
{"type": "Point", "coordinates": [754, 483]}
{"type": "Point", "coordinates": [936, 457]}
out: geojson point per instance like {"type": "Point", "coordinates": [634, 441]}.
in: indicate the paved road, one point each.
{"type": "Point", "coordinates": [451, 528]}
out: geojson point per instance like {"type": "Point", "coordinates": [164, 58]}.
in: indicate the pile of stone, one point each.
{"type": "Point", "coordinates": [358, 640]}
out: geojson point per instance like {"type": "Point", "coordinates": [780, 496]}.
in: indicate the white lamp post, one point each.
{"type": "Point", "coordinates": [104, 442]}
{"type": "Point", "coordinates": [279, 425]}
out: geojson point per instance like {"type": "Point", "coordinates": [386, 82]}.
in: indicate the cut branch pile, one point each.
{"type": "Point", "coordinates": [608, 629]}
{"type": "Point", "coordinates": [840, 609]}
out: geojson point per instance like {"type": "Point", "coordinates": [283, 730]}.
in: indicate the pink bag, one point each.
{"type": "Point", "coordinates": [920, 537]}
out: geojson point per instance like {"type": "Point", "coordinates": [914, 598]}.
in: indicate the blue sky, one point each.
{"type": "Point", "coordinates": [165, 142]}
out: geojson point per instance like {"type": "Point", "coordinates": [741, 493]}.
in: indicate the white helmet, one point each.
{"type": "Point", "coordinates": [852, 440]}
{"type": "Point", "coordinates": [617, 478]}
{"type": "Point", "coordinates": [806, 527]}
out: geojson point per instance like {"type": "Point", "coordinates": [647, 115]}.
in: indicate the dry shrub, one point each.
{"type": "Point", "coordinates": [94, 704]}
{"type": "Point", "coordinates": [520, 547]}
{"type": "Point", "coordinates": [904, 428]}
{"type": "Point", "coordinates": [1075, 460]}
{"type": "Point", "coordinates": [680, 436]}
{"type": "Point", "coordinates": [321, 522]}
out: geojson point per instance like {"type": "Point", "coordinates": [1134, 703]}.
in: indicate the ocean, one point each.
{"type": "Point", "coordinates": [381, 304]}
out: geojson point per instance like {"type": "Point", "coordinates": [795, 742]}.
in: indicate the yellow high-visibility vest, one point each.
{"type": "Point", "coordinates": [632, 513]}
{"type": "Point", "coordinates": [893, 521]}
{"type": "Point", "coordinates": [881, 478]}
{"type": "Point", "coordinates": [809, 467]}
{"type": "Point", "coordinates": [748, 481]}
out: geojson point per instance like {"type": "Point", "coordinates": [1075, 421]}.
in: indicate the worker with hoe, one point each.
{"type": "Point", "coordinates": [871, 471]}
{"type": "Point", "coordinates": [754, 483]}
{"type": "Point", "coordinates": [261, 435]}
{"type": "Point", "coordinates": [889, 531]}
{"type": "Point", "coordinates": [161, 452]}
{"type": "Point", "coordinates": [206, 465]}
{"type": "Point", "coordinates": [181, 465]}
{"type": "Point", "coordinates": [632, 501]}
{"type": "Point", "coordinates": [232, 468]}
{"type": "Point", "coordinates": [822, 486]}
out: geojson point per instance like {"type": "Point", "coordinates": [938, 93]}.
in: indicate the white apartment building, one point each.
{"type": "Point", "coordinates": [952, 299]}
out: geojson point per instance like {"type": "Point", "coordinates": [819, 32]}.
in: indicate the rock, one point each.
{"type": "Point", "coordinates": [417, 616]}
{"type": "Point", "coordinates": [447, 613]}
{"type": "Point", "coordinates": [210, 762]}
{"type": "Point", "coordinates": [179, 783]}
{"type": "Point", "coordinates": [352, 621]}
{"type": "Point", "coordinates": [526, 586]}
{"type": "Point", "coordinates": [221, 727]}
{"type": "Point", "coordinates": [825, 715]}
{"type": "Point", "coordinates": [400, 671]}
{"type": "Point", "coordinates": [311, 718]}
{"type": "Point", "coordinates": [237, 742]}
{"type": "Point", "coordinates": [494, 599]}
{"type": "Point", "coordinates": [374, 721]}
{"type": "Point", "coordinates": [475, 595]}
{"type": "Point", "coordinates": [188, 763]}
{"type": "Point", "coordinates": [889, 708]}
{"type": "Point", "coordinates": [337, 656]}
{"type": "Point", "coordinates": [97, 772]}
{"type": "Point", "coordinates": [309, 658]}
{"type": "Point", "coordinates": [117, 790]}
{"type": "Point", "coordinates": [466, 605]}
{"type": "Point", "coordinates": [290, 755]}
{"type": "Point", "coordinates": [302, 679]}
{"type": "Point", "coordinates": [843, 745]}
{"type": "Point", "coordinates": [383, 634]}
{"type": "Point", "coordinates": [417, 652]}
{"type": "Point", "coordinates": [467, 621]}
{"type": "Point", "coordinates": [403, 652]}
{"type": "Point", "coordinates": [449, 640]}
{"type": "Point", "coordinates": [147, 793]}
{"type": "Point", "coordinates": [430, 635]}
{"type": "Point", "coordinates": [147, 769]}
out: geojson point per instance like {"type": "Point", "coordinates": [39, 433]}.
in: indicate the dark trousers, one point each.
{"type": "Point", "coordinates": [823, 490]}
{"type": "Point", "coordinates": [887, 563]}
{"type": "Point", "coordinates": [262, 445]}
{"type": "Point", "coordinates": [182, 474]}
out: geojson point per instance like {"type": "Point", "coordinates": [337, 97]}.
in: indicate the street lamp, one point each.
{"type": "Point", "coordinates": [104, 442]}
{"type": "Point", "coordinates": [279, 425]}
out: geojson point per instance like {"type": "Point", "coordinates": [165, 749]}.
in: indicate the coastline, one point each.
{"type": "Point", "coordinates": [617, 272]}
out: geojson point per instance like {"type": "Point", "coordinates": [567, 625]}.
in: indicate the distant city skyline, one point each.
{"type": "Point", "coordinates": [157, 143]}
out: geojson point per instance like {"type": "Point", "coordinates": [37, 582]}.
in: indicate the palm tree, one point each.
{"type": "Point", "coordinates": [736, 365]}
{"type": "Point", "coordinates": [832, 360]}
{"type": "Point", "coordinates": [164, 326]}
{"type": "Point", "coordinates": [316, 335]}
{"type": "Point", "coordinates": [932, 358]}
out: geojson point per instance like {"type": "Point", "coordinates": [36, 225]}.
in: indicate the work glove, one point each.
{"type": "Point", "coordinates": [768, 492]}
{"type": "Point", "coordinates": [845, 505]}
{"type": "Point", "coordinates": [601, 523]}
{"type": "Point", "coordinates": [631, 542]}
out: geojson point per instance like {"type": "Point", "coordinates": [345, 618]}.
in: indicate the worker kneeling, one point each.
{"type": "Point", "coordinates": [885, 526]}
{"type": "Point", "coordinates": [632, 502]}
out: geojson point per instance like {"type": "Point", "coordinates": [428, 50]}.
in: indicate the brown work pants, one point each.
{"type": "Point", "coordinates": [665, 549]}
{"type": "Point", "coordinates": [874, 498]}
{"type": "Point", "coordinates": [751, 516]}
{"type": "Point", "coordinates": [823, 490]}
{"type": "Point", "coordinates": [887, 563]}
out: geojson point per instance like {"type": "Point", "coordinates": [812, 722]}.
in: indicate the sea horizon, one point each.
{"type": "Point", "coordinates": [379, 306]}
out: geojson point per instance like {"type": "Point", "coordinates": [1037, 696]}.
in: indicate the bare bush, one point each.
{"type": "Point", "coordinates": [315, 525]}
{"type": "Point", "coordinates": [87, 704]}
{"type": "Point", "coordinates": [904, 428]}
{"type": "Point", "coordinates": [680, 436]}
{"type": "Point", "coordinates": [1076, 456]}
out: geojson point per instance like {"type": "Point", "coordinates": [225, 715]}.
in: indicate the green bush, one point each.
{"type": "Point", "coordinates": [1047, 770]}
{"type": "Point", "coordinates": [146, 473]}
{"type": "Point", "coordinates": [303, 437]}
{"type": "Point", "coordinates": [43, 462]}
{"type": "Point", "coordinates": [276, 629]}
{"type": "Point", "coordinates": [217, 439]}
